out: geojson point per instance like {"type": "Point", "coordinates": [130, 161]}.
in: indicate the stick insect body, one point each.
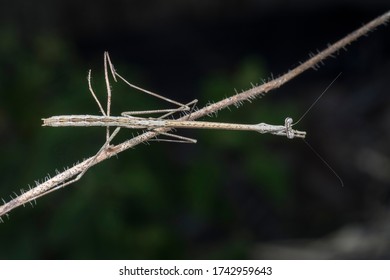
{"type": "Point", "coordinates": [128, 120]}
{"type": "Point", "coordinates": [131, 122]}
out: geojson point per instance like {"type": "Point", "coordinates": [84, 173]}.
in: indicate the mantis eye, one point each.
{"type": "Point", "coordinates": [288, 124]}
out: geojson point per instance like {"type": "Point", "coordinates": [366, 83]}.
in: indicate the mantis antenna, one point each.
{"type": "Point", "coordinates": [318, 98]}
{"type": "Point", "coordinates": [307, 143]}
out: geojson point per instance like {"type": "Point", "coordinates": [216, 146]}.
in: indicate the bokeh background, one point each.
{"type": "Point", "coordinates": [233, 195]}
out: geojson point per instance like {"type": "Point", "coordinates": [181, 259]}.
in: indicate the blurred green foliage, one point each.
{"type": "Point", "coordinates": [158, 201]}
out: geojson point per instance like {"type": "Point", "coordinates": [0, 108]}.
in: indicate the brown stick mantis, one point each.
{"type": "Point", "coordinates": [127, 120]}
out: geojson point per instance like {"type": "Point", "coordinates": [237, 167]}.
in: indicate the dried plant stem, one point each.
{"type": "Point", "coordinates": [66, 177]}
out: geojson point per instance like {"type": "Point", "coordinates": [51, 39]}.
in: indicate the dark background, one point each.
{"type": "Point", "coordinates": [233, 194]}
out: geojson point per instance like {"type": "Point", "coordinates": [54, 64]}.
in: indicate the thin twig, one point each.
{"type": "Point", "coordinates": [66, 176]}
